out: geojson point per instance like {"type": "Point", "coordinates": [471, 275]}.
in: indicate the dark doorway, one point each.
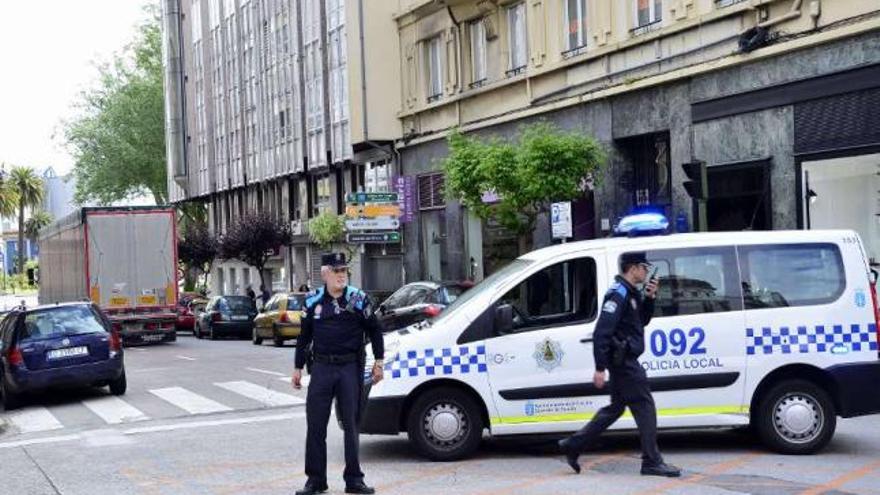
{"type": "Point", "coordinates": [739, 197]}
{"type": "Point", "coordinates": [650, 171]}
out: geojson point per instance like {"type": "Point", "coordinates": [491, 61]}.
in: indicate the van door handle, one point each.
{"type": "Point", "coordinates": [587, 340]}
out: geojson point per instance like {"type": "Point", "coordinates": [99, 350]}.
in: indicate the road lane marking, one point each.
{"type": "Point", "coordinates": [261, 394]}
{"type": "Point", "coordinates": [190, 402]}
{"type": "Point", "coordinates": [37, 441]}
{"type": "Point", "coordinates": [843, 479]}
{"type": "Point", "coordinates": [34, 419]}
{"type": "Point", "coordinates": [267, 372]}
{"type": "Point", "coordinates": [158, 428]}
{"type": "Point", "coordinates": [114, 410]}
{"type": "Point", "coordinates": [218, 422]}
{"type": "Point", "coordinates": [187, 358]}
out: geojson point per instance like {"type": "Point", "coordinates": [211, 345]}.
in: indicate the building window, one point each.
{"type": "Point", "coordinates": [376, 177]}
{"type": "Point", "coordinates": [432, 191]}
{"type": "Point", "coordinates": [575, 24]}
{"type": "Point", "coordinates": [435, 68]}
{"type": "Point", "coordinates": [648, 12]}
{"type": "Point", "coordinates": [321, 194]}
{"type": "Point", "coordinates": [516, 29]}
{"type": "Point", "coordinates": [478, 53]}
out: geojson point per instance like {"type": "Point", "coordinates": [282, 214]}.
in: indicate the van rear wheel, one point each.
{"type": "Point", "coordinates": [796, 417]}
{"type": "Point", "coordinates": [445, 424]}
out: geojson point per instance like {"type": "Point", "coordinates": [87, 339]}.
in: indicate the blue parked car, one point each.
{"type": "Point", "coordinates": [58, 345]}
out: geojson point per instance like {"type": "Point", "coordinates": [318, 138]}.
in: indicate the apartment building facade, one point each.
{"type": "Point", "coordinates": [780, 99]}
{"type": "Point", "coordinates": [267, 110]}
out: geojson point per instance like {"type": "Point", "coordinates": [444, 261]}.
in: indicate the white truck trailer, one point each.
{"type": "Point", "coordinates": [124, 259]}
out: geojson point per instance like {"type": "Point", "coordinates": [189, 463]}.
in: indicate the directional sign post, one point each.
{"type": "Point", "coordinates": [371, 197]}
{"type": "Point", "coordinates": [373, 238]}
{"type": "Point", "coordinates": [381, 223]}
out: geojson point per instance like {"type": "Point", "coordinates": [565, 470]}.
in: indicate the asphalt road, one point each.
{"type": "Point", "coordinates": [221, 418]}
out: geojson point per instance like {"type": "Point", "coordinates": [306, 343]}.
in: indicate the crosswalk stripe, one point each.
{"type": "Point", "coordinates": [190, 402]}
{"type": "Point", "coordinates": [34, 419]}
{"type": "Point", "coordinates": [266, 372]}
{"type": "Point", "coordinates": [114, 410]}
{"type": "Point", "coordinates": [261, 394]}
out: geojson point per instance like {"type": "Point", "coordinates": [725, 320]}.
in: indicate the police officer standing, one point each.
{"type": "Point", "coordinates": [336, 319]}
{"type": "Point", "coordinates": [618, 341]}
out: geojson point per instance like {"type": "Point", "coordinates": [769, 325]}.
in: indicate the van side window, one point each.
{"type": "Point", "coordinates": [561, 294]}
{"type": "Point", "coordinates": [784, 275]}
{"type": "Point", "coordinates": [696, 280]}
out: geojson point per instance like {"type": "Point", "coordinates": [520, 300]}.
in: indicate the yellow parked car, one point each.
{"type": "Point", "coordinates": [279, 320]}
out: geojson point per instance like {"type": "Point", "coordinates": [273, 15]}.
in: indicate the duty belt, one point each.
{"type": "Point", "coordinates": [336, 358]}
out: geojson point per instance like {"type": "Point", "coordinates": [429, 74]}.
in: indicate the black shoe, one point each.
{"type": "Point", "coordinates": [360, 488]}
{"type": "Point", "coordinates": [571, 457]}
{"type": "Point", "coordinates": [312, 489]}
{"type": "Point", "coordinates": [661, 469]}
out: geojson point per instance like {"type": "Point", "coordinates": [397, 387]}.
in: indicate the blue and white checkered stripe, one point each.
{"type": "Point", "coordinates": [810, 339]}
{"type": "Point", "coordinates": [434, 362]}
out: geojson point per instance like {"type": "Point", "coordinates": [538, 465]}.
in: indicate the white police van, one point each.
{"type": "Point", "coordinates": [777, 330]}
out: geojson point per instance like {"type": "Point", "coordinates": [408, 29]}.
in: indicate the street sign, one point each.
{"type": "Point", "coordinates": [381, 223]}
{"type": "Point", "coordinates": [373, 238]}
{"type": "Point", "coordinates": [406, 193]}
{"type": "Point", "coordinates": [371, 197]}
{"type": "Point", "coordinates": [560, 220]}
{"type": "Point", "coordinates": [372, 210]}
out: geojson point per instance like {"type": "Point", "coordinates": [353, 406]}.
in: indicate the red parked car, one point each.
{"type": "Point", "coordinates": [186, 311]}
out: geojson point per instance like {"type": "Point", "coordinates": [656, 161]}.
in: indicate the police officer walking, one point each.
{"type": "Point", "coordinates": [618, 341]}
{"type": "Point", "coordinates": [336, 319]}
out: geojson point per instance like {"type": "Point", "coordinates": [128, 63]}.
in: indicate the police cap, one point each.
{"type": "Point", "coordinates": [633, 258]}
{"type": "Point", "coordinates": [333, 260]}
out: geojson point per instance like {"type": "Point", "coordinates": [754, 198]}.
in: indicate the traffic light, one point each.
{"type": "Point", "coordinates": [697, 187]}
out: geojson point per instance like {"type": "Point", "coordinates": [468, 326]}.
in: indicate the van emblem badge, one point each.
{"type": "Point", "coordinates": [65, 342]}
{"type": "Point", "coordinates": [548, 354]}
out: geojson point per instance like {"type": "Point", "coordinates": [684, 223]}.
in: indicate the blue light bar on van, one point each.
{"type": "Point", "coordinates": [642, 224]}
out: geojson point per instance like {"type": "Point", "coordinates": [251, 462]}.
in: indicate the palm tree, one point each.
{"type": "Point", "coordinates": [29, 187]}
{"type": "Point", "coordinates": [37, 222]}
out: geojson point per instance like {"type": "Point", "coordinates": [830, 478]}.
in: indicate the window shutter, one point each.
{"type": "Point", "coordinates": [432, 191]}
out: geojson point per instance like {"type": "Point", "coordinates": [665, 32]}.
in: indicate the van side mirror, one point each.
{"type": "Point", "coordinates": [503, 319]}
{"type": "Point", "coordinates": [874, 276]}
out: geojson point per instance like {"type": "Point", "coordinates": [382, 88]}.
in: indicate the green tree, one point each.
{"type": "Point", "coordinates": [542, 166]}
{"type": "Point", "coordinates": [328, 229]}
{"type": "Point", "coordinates": [29, 187]}
{"type": "Point", "coordinates": [196, 251]}
{"type": "Point", "coordinates": [253, 238]}
{"type": "Point", "coordinates": [117, 138]}
{"type": "Point", "coordinates": [8, 195]}
{"type": "Point", "coordinates": [37, 222]}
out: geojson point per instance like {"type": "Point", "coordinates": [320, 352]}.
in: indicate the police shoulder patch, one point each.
{"type": "Point", "coordinates": [617, 288]}
{"type": "Point", "coordinates": [314, 297]}
{"type": "Point", "coordinates": [609, 307]}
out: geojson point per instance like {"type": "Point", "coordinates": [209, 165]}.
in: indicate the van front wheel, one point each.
{"type": "Point", "coordinates": [796, 417]}
{"type": "Point", "coordinates": [445, 424]}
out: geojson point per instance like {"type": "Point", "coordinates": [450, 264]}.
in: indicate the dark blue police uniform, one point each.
{"type": "Point", "coordinates": [625, 312]}
{"type": "Point", "coordinates": [333, 330]}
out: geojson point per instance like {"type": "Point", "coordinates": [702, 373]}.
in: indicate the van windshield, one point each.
{"type": "Point", "coordinates": [489, 283]}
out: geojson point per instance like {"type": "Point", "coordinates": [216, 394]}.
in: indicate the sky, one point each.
{"type": "Point", "coordinates": [48, 51]}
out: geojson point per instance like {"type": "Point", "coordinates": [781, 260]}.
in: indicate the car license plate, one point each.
{"type": "Point", "coordinates": [68, 352]}
{"type": "Point", "coordinates": [152, 338]}
{"type": "Point", "coordinates": [239, 317]}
